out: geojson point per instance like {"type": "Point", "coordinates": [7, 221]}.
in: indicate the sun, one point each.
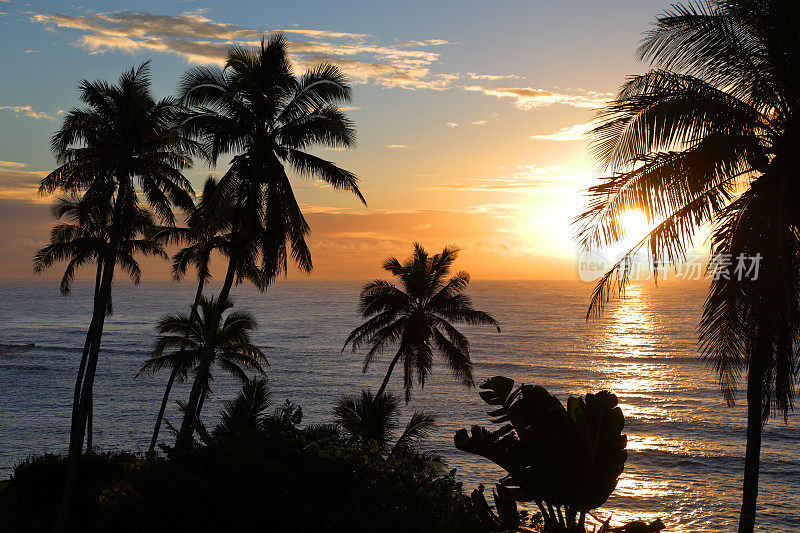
{"type": "Point", "coordinates": [635, 225]}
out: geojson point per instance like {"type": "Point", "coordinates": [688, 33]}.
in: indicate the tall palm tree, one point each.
{"type": "Point", "coordinates": [181, 345]}
{"type": "Point", "coordinates": [258, 111]}
{"type": "Point", "coordinates": [709, 137]}
{"type": "Point", "coordinates": [418, 317]}
{"type": "Point", "coordinates": [122, 144]}
{"type": "Point", "coordinates": [206, 233]}
{"type": "Point", "coordinates": [201, 238]}
{"type": "Point", "coordinates": [366, 419]}
{"type": "Point", "coordinates": [84, 239]}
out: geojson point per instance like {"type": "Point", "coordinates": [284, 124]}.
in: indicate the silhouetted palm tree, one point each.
{"type": "Point", "coordinates": [246, 412]}
{"type": "Point", "coordinates": [205, 234]}
{"type": "Point", "coordinates": [201, 238]}
{"type": "Point", "coordinates": [84, 239]}
{"type": "Point", "coordinates": [256, 109]}
{"type": "Point", "coordinates": [366, 419]}
{"type": "Point", "coordinates": [121, 146]}
{"type": "Point", "coordinates": [181, 344]}
{"type": "Point", "coordinates": [709, 137]}
{"type": "Point", "coordinates": [419, 317]}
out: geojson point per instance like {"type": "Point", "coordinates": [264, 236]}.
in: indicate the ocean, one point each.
{"type": "Point", "coordinates": [686, 446]}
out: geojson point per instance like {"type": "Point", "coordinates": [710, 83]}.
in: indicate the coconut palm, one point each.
{"type": "Point", "coordinates": [257, 110]}
{"type": "Point", "coordinates": [123, 145]}
{"type": "Point", "coordinates": [201, 238]}
{"type": "Point", "coordinates": [84, 239]}
{"type": "Point", "coordinates": [181, 345]}
{"type": "Point", "coordinates": [708, 137]}
{"type": "Point", "coordinates": [246, 412]}
{"type": "Point", "coordinates": [368, 419]}
{"type": "Point", "coordinates": [418, 317]}
{"type": "Point", "coordinates": [205, 234]}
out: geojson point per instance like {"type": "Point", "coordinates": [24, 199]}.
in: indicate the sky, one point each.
{"type": "Point", "coordinates": [471, 115]}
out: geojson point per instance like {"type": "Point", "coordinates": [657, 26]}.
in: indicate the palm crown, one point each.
{"type": "Point", "coordinates": [85, 236]}
{"type": "Point", "coordinates": [124, 138]}
{"type": "Point", "coordinates": [419, 317]}
{"type": "Point", "coordinates": [366, 419]}
{"type": "Point", "coordinates": [182, 339]}
{"type": "Point", "coordinates": [257, 109]}
{"type": "Point", "coordinates": [709, 138]}
{"type": "Point", "coordinates": [204, 234]}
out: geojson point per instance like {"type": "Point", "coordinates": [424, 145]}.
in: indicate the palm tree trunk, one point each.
{"type": "Point", "coordinates": [187, 426]}
{"type": "Point", "coordinates": [174, 373]}
{"type": "Point", "coordinates": [86, 384]}
{"type": "Point", "coordinates": [200, 405]}
{"type": "Point", "coordinates": [76, 394]}
{"type": "Point", "coordinates": [89, 425]}
{"type": "Point", "coordinates": [163, 408]}
{"type": "Point", "coordinates": [747, 517]}
{"type": "Point", "coordinates": [389, 372]}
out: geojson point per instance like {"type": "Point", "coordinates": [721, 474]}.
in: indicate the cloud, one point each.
{"type": "Point", "coordinates": [576, 132]}
{"type": "Point", "coordinates": [397, 146]}
{"type": "Point", "coordinates": [492, 118]}
{"type": "Point", "coordinates": [20, 185]}
{"type": "Point", "coordinates": [12, 164]}
{"type": "Point", "coordinates": [492, 77]}
{"type": "Point", "coordinates": [451, 124]}
{"type": "Point", "coordinates": [27, 111]}
{"type": "Point", "coordinates": [523, 179]}
{"type": "Point", "coordinates": [527, 98]}
{"type": "Point", "coordinates": [32, 52]}
{"type": "Point", "coordinates": [201, 40]}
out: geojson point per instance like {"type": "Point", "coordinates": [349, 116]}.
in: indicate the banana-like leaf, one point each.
{"type": "Point", "coordinates": [571, 457]}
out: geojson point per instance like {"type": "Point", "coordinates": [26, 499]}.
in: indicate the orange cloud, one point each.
{"type": "Point", "coordinates": [576, 132]}
{"type": "Point", "coordinates": [199, 39]}
{"type": "Point", "coordinates": [527, 98]}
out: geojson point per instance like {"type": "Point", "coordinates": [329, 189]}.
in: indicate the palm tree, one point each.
{"type": "Point", "coordinates": [246, 412]}
{"type": "Point", "coordinates": [122, 146]}
{"type": "Point", "coordinates": [419, 317]}
{"type": "Point", "coordinates": [708, 137]}
{"type": "Point", "coordinates": [366, 419]}
{"type": "Point", "coordinates": [202, 237]}
{"type": "Point", "coordinates": [257, 110]}
{"type": "Point", "coordinates": [181, 345]}
{"type": "Point", "coordinates": [84, 239]}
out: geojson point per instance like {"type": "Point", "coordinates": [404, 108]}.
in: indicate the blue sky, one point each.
{"type": "Point", "coordinates": [470, 114]}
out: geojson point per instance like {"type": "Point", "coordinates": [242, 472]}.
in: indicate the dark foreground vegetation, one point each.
{"type": "Point", "coordinates": [245, 479]}
{"type": "Point", "coordinates": [256, 471]}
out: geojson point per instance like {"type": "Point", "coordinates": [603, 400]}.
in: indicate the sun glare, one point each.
{"type": "Point", "coordinates": [634, 224]}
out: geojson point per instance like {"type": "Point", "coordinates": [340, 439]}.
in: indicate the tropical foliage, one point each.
{"type": "Point", "coordinates": [122, 148]}
{"type": "Point", "coordinates": [707, 138]}
{"type": "Point", "coordinates": [368, 420]}
{"type": "Point", "coordinates": [566, 460]}
{"type": "Point", "coordinates": [258, 111]}
{"type": "Point", "coordinates": [245, 477]}
{"type": "Point", "coordinates": [418, 317]}
{"type": "Point", "coordinates": [182, 342]}
{"type": "Point", "coordinates": [84, 239]}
